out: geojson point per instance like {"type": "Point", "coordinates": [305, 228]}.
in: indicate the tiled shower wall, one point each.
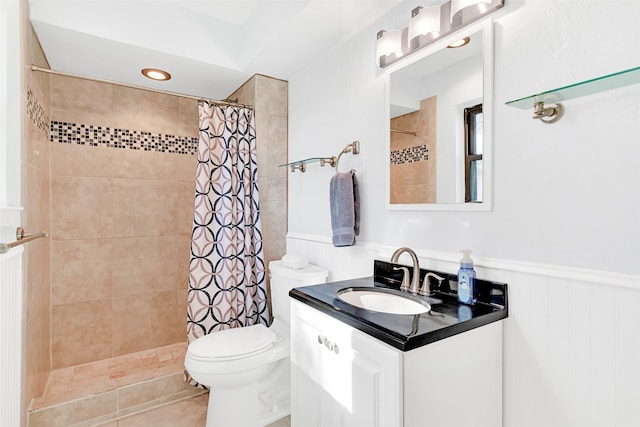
{"type": "Point", "coordinates": [412, 161]}
{"type": "Point", "coordinates": [122, 213]}
{"type": "Point", "coordinates": [35, 216]}
{"type": "Point", "coordinates": [120, 222]}
{"type": "Point", "coordinates": [269, 95]}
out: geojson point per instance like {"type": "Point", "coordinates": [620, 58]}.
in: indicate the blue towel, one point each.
{"type": "Point", "coordinates": [344, 200]}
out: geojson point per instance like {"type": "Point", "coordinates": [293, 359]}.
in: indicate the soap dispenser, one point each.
{"type": "Point", "coordinates": [466, 279]}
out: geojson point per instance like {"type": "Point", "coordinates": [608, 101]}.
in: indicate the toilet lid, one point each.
{"type": "Point", "coordinates": [232, 343]}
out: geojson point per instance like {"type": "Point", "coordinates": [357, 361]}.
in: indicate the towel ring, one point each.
{"type": "Point", "coordinates": [354, 148]}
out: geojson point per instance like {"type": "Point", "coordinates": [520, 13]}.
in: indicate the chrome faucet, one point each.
{"type": "Point", "coordinates": [415, 278]}
{"type": "Point", "coordinates": [426, 289]}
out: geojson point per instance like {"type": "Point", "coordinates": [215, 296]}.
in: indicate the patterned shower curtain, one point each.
{"type": "Point", "coordinates": [227, 287]}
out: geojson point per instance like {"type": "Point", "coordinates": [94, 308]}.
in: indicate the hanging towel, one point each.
{"type": "Point", "coordinates": [344, 200]}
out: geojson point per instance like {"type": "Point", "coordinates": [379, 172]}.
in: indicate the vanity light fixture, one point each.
{"type": "Point", "coordinates": [389, 44]}
{"type": "Point", "coordinates": [428, 24]}
{"type": "Point", "coordinates": [155, 74]}
{"type": "Point", "coordinates": [458, 5]}
{"type": "Point", "coordinates": [425, 21]}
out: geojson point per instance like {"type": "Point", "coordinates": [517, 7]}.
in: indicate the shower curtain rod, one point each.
{"type": "Point", "coordinates": [164, 92]}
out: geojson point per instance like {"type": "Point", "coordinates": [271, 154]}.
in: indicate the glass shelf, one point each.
{"type": "Point", "coordinates": [587, 87]}
{"type": "Point", "coordinates": [310, 160]}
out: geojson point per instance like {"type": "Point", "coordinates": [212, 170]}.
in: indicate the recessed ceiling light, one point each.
{"type": "Point", "coordinates": [460, 43]}
{"type": "Point", "coordinates": [155, 74]}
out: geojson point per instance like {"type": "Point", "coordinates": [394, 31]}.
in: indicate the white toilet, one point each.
{"type": "Point", "coordinates": [247, 368]}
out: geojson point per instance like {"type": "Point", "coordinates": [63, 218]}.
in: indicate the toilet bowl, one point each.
{"type": "Point", "coordinates": [247, 369]}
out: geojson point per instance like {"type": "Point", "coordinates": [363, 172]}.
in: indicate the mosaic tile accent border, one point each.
{"type": "Point", "coordinates": [73, 133]}
{"type": "Point", "coordinates": [409, 155]}
{"type": "Point", "coordinates": [36, 112]}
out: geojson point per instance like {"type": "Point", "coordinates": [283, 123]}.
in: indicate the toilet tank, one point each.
{"type": "Point", "coordinates": [283, 279]}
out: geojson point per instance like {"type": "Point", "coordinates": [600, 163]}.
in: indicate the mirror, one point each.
{"type": "Point", "coordinates": [440, 116]}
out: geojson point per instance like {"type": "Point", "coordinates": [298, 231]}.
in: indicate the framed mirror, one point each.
{"type": "Point", "coordinates": [440, 105]}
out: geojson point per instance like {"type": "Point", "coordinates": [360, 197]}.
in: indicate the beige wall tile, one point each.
{"type": "Point", "coordinates": [277, 133]}
{"type": "Point", "coordinates": [144, 321]}
{"type": "Point", "coordinates": [82, 270]}
{"type": "Point", "coordinates": [81, 332]}
{"type": "Point", "coordinates": [81, 207]}
{"type": "Point", "coordinates": [164, 306]}
{"type": "Point", "coordinates": [37, 324]}
{"type": "Point", "coordinates": [139, 164]}
{"type": "Point", "coordinates": [184, 257]}
{"type": "Point", "coordinates": [186, 200]}
{"type": "Point", "coordinates": [37, 199]}
{"type": "Point", "coordinates": [36, 145]}
{"type": "Point", "coordinates": [82, 101]}
{"type": "Point", "coordinates": [181, 312]}
{"type": "Point", "coordinates": [81, 160]}
{"type": "Point", "coordinates": [415, 182]}
{"type": "Point", "coordinates": [277, 97]}
{"type": "Point", "coordinates": [188, 117]}
{"type": "Point", "coordinates": [261, 103]}
{"type": "Point", "coordinates": [145, 110]}
{"type": "Point", "coordinates": [263, 146]}
{"type": "Point", "coordinates": [133, 324]}
{"type": "Point", "coordinates": [36, 217]}
{"type": "Point", "coordinates": [409, 194]}
{"type": "Point", "coordinates": [146, 264]}
{"type": "Point", "coordinates": [185, 167]}
{"type": "Point", "coordinates": [144, 207]}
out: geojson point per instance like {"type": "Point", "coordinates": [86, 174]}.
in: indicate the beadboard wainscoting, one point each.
{"type": "Point", "coordinates": [571, 342]}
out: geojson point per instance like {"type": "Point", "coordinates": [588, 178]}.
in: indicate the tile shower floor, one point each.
{"type": "Point", "coordinates": [135, 390]}
{"type": "Point", "coordinates": [105, 375]}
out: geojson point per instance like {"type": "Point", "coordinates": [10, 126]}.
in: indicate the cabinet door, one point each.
{"type": "Point", "coordinates": [341, 376]}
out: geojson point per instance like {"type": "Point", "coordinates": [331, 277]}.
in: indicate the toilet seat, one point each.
{"type": "Point", "coordinates": [231, 344]}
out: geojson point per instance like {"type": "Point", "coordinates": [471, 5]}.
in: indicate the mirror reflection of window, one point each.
{"type": "Point", "coordinates": [473, 121]}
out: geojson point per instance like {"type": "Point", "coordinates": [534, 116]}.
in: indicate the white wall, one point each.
{"type": "Point", "coordinates": [563, 232]}
{"type": "Point", "coordinates": [10, 92]}
{"type": "Point", "coordinates": [564, 194]}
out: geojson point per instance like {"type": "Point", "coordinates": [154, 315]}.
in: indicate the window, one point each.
{"type": "Point", "coordinates": [473, 153]}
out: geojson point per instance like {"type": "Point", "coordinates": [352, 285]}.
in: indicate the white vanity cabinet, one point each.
{"type": "Point", "coordinates": [344, 377]}
{"type": "Point", "coordinates": [341, 376]}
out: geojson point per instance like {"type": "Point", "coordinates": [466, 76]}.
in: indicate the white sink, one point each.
{"type": "Point", "coordinates": [384, 300]}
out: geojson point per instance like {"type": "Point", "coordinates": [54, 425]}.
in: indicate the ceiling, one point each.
{"type": "Point", "coordinates": [210, 47]}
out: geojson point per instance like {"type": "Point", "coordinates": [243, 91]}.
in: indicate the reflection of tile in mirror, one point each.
{"type": "Point", "coordinates": [412, 158]}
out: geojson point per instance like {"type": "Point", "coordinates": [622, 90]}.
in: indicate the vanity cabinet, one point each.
{"type": "Point", "coordinates": [342, 376]}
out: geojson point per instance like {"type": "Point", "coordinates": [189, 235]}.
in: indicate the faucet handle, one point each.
{"type": "Point", "coordinates": [426, 289]}
{"type": "Point", "coordinates": [405, 278]}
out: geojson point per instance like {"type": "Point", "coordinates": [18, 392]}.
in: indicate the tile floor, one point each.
{"type": "Point", "coordinates": [190, 412]}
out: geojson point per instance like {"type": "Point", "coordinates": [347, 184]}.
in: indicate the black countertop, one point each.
{"type": "Point", "coordinates": [447, 317]}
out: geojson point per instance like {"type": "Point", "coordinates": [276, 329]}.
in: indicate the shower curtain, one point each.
{"type": "Point", "coordinates": [227, 286]}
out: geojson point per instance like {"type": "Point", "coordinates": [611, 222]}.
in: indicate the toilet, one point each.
{"type": "Point", "coordinates": [247, 369]}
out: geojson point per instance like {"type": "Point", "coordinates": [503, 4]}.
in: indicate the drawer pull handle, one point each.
{"type": "Point", "coordinates": [331, 346]}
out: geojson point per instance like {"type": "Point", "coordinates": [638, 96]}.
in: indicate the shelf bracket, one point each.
{"type": "Point", "coordinates": [548, 114]}
{"type": "Point", "coordinates": [298, 166]}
